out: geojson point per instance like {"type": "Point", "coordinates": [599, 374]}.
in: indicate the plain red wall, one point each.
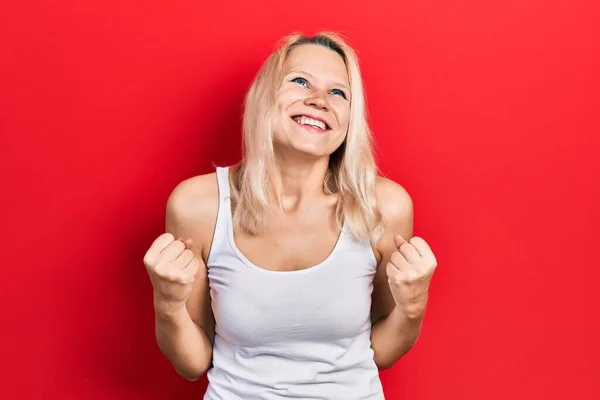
{"type": "Point", "coordinates": [487, 112]}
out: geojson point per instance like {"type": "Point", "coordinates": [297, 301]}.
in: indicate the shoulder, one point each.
{"type": "Point", "coordinates": [393, 201]}
{"type": "Point", "coordinates": [396, 208]}
{"type": "Point", "coordinates": [192, 208]}
{"type": "Point", "coordinates": [191, 195]}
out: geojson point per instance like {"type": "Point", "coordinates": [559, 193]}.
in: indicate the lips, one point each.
{"type": "Point", "coordinates": [312, 121]}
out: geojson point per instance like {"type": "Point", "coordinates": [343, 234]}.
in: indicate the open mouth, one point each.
{"type": "Point", "coordinates": [313, 123]}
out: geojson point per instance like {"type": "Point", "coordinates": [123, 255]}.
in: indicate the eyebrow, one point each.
{"type": "Point", "coordinates": [343, 85]}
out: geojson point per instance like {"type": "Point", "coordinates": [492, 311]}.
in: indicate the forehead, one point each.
{"type": "Point", "coordinates": [318, 61]}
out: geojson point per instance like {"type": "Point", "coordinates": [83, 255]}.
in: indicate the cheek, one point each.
{"type": "Point", "coordinates": [287, 97]}
{"type": "Point", "coordinates": [346, 120]}
{"type": "Point", "coordinates": [343, 113]}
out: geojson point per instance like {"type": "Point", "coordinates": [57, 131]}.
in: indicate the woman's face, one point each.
{"type": "Point", "coordinates": [313, 101]}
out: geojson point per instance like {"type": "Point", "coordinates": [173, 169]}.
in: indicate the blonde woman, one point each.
{"type": "Point", "coordinates": [293, 274]}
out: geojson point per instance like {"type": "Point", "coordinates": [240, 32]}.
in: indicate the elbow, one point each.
{"type": "Point", "coordinates": [190, 376]}
{"type": "Point", "coordinates": [384, 364]}
{"type": "Point", "coordinates": [193, 372]}
{"type": "Point", "coordinates": [386, 360]}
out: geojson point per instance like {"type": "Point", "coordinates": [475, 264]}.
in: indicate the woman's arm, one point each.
{"type": "Point", "coordinates": [185, 333]}
{"type": "Point", "coordinates": [185, 344]}
{"type": "Point", "coordinates": [400, 288]}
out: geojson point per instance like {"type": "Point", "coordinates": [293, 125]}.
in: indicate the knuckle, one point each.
{"type": "Point", "coordinates": [172, 276]}
{"type": "Point", "coordinates": [168, 236]}
{"type": "Point", "coordinates": [163, 269]}
{"type": "Point", "coordinates": [148, 260]}
{"type": "Point", "coordinates": [182, 278]}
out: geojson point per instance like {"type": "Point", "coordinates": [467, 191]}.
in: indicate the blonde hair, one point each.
{"type": "Point", "coordinates": [352, 170]}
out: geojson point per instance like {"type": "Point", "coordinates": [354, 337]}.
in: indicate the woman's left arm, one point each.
{"type": "Point", "coordinates": [401, 284]}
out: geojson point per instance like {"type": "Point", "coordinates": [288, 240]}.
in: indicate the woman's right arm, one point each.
{"type": "Point", "coordinates": [184, 323]}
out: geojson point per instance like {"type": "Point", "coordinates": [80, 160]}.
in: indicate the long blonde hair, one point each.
{"type": "Point", "coordinates": [352, 170]}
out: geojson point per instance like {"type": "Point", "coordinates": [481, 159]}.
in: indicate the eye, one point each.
{"type": "Point", "coordinates": [300, 81]}
{"type": "Point", "coordinates": [338, 92]}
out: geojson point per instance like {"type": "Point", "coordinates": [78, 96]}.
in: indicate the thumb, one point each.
{"type": "Point", "coordinates": [399, 240]}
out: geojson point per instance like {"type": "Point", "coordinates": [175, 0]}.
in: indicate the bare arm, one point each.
{"type": "Point", "coordinates": [185, 343]}
{"type": "Point", "coordinates": [185, 331]}
{"type": "Point", "coordinates": [395, 330]}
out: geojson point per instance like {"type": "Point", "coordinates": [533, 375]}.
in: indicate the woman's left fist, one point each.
{"type": "Point", "coordinates": [409, 274]}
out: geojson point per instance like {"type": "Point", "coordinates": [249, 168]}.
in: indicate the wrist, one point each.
{"type": "Point", "coordinates": [409, 313]}
{"type": "Point", "coordinates": [168, 309]}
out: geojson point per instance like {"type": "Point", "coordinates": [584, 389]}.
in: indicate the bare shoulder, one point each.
{"type": "Point", "coordinates": [190, 197]}
{"type": "Point", "coordinates": [394, 202]}
{"type": "Point", "coordinates": [192, 209]}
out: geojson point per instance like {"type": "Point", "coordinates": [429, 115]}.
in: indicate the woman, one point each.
{"type": "Point", "coordinates": [291, 274]}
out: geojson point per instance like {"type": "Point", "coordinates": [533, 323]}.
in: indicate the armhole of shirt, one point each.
{"type": "Point", "coordinates": [221, 225]}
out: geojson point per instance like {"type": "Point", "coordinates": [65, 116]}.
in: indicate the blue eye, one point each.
{"type": "Point", "coordinates": [338, 92]}
{"type": "Point", "coordinates": [300, 81]}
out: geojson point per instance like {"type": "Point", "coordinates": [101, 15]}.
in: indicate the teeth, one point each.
{"type": "Point", "coordinates": [310, 121]}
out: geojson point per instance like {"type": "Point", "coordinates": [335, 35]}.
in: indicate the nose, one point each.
{"type": "Point", "coordinates": [317, 99]}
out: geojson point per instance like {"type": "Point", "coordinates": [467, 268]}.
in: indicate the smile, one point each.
{"type": "Point", "coordinates": [311, 123]}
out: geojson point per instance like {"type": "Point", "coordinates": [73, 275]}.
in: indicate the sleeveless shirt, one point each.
{"type": "Point", "coordinates": [290, 334]}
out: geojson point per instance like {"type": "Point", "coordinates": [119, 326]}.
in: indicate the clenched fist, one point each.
{"type": "Point", "coordinates": [409, 274]}
{"type": "Point", "coordinates": [172, 268]}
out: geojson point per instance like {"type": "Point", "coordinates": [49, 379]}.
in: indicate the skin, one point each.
{"type": "Point", "coordinates": [315, 83]}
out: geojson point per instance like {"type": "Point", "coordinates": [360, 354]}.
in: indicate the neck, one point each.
{"type": "Point", "coordinates": [297, 181]}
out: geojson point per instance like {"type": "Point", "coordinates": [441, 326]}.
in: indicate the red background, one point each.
{"type": "Point", "coordinates": [486, 111]}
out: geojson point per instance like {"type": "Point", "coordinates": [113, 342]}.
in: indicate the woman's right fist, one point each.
{"type": "Point", "coordinates": [172, 268]}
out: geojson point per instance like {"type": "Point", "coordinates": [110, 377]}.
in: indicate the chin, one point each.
{"type": "Point", "coordinates": [315, 150]}
{"type": "Point", "coordinates": [302, 141]}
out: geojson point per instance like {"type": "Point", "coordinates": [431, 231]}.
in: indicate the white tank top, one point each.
{"type": "Point", "coordinates": [290, 335]}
